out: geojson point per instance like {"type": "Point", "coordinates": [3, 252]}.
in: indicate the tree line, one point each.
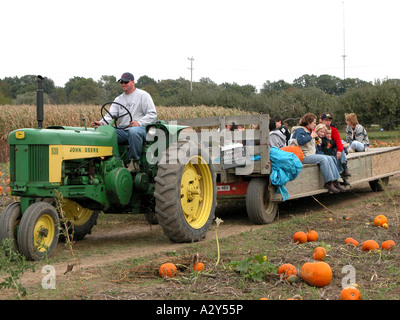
{"type": "Point", "coordinates": [374, 103]}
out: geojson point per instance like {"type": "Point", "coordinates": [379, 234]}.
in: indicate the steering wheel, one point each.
{"type": "Point", "coordinates": [116, 117]}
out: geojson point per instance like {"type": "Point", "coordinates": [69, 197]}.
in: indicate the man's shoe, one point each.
{"type": "Point", "coordinates": [337, 185]}
{"type": "Point", "coordinates": [344, 182]}
{"type": "Point", "coordinates": [346, 173]}
{"type": "Point", "coordinates": [134, 166]}
{"type": "Point", "coordinates": [331, 187]}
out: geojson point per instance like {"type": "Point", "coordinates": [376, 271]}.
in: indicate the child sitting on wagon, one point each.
{"type": "Point", "coordinates": [325, 145]}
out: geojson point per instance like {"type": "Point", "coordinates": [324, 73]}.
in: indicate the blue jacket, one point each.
{"type": "Point", "coordinates": [286, 166]}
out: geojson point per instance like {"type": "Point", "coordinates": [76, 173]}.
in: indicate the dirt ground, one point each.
{"type": "Point", "coordinates": [110, 244]}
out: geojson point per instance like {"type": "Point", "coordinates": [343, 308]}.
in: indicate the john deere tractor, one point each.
{"type": "Point", "coordinates": [79, 172]}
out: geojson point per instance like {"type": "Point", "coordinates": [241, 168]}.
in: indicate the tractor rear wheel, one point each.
{"type": "Point", "coordinates": [185, 192]}
{"type": "Point", "coordinates": [260, 208]}
{"type": "Point", "coordinates": [9, 221]}
{"type": "Point", "coordinates": [38, 231]}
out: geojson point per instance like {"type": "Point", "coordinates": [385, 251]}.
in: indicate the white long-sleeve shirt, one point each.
{"type": "Point", "coordinates": [139, 103]}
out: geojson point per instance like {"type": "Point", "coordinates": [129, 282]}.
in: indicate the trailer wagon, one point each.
{"type": "Point", "coordinates": [249, 179]}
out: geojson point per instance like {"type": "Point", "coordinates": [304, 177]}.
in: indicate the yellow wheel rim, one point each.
{"type": "Point", "coordinates": [44, 232]}
{"type": "Point", "coordinates": [196, 192]}
{"type": "Point", "coordinates": [75, 213]}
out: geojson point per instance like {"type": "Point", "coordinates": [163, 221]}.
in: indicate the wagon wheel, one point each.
{"type": "Point", "coordinates": [185, 193]}
{"type": "Point", "coordinates": [260, 208]}
{"type": "Point", "coordinates": [116, 117]}
{"type": "Point", "coordinates": [38, 231]}
{"type": "Point", "coordinates": [9, 221]}
{"type": "Point", "coordinates": [379, 184]}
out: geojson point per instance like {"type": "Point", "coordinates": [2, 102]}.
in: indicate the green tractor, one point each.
{"type": "Point", "coordinates": [85, 168]}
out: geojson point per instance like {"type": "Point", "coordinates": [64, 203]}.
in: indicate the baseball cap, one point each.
{"type": "Point", "coordinates": [127, 77]}
{"type": "Point", "coordinates": [326, 116]}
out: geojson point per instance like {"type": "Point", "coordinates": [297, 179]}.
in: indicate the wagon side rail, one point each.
{"type": "Point", "coordinates": [212, 133]}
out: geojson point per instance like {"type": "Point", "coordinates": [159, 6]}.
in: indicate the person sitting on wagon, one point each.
{"type": "Point", "coordinates": [276, 137]}
{"type": "Point", "coordinates": [304, 136]}
{"type": "Point", "coordinates": [357, 136]}
{"type": "Point", "coordinates": [326, 119]}
{"type": "Point", "coordinates": [325, 145]}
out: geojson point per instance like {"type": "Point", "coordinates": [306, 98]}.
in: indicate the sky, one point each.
{"type": "Point", "coordinates": [243, 42]}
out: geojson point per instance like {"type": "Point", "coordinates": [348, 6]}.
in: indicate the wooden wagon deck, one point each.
{"type": "Point", "coordinates": [371, 165]}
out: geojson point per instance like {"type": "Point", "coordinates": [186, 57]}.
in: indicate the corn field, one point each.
{"type": "Point", "coordinates": [14, 117]}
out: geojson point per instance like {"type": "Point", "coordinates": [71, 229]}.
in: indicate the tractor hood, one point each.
{"type": "Point", "coordinates": [59, 135]}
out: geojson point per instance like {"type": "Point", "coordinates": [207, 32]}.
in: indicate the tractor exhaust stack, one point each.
{"type": "Point", "coordinates": [39, 102]}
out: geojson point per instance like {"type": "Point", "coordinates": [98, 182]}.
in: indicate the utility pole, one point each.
{"type": "Point", "coordinates": [191, 73]}
{"type": "Point", "coordinates": [344, 47]}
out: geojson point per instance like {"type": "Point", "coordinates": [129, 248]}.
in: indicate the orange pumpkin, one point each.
{"type": "Point", "coordinates": [167, 270]}
{"type": "Point", "coordinates": [319, 253]}
{"type": "Point", "coordinates": [300, 237]}
{"type": "Point", "coordinates": [352, 241]}
{"type": "Point", "coordinates": [388, 244]}
{"type": "Point", "coordinates": [286, 270]}
{"type": "Point", "coordinates": [312, 235]}
{"type": "Point", "coordinates": [296, 150]}
{"type": "Point", "coordinates": [317, 273]}
{"type": "Point", "coordinates": [199, 266]}
{"type": "Point", "coordinates": [380, 220]}
{"type": "Point", "coordinates": [350, 293]}
{"type": "Point", "coordinates": [369, 245]}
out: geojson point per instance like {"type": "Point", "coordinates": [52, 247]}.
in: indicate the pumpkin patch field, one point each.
{"type": "Point", "coordinates": [341, 251]}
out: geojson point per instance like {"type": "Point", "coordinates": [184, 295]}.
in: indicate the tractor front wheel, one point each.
{"type": "Point", "coordinates": [38, 231]}
{"type": "Point", "coordinates": [9, 221]}
{"type": "Point", "coordinates": [185, 193]}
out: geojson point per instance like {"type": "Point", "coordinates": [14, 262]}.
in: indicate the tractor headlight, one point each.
{"type": "Point", "coordinates": [152, 131]}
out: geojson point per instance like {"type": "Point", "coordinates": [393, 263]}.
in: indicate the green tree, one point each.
{"type": "Point", "coordinates": [4, 100]}
{"type": "Point", "coordinates": [330, 84]}
{"type": "Point", "coordinates": [145, 81]}
{"type": "Point", "coordinates": [276, 86]}
{"type": "Point", "coordinates": [305, 81]}
{"type": "Point", "coordinates": [84, 91]}
{"type": "Point", "coordinates": [245, 90]}
{"type": "Point", "coordinates": [58, 96]}
{"type": "Point", "coordinates": [109, 88]}
{"type": "Point", "coordinates": [149, 85]}
{"type": "Point", "coordinates": [377, 104]}
{"type": "Point", "coordinates": [30, 98]}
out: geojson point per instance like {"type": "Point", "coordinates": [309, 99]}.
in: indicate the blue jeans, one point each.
{"type": "Point", "coordinates": [135, 137]}
{"type": "Point", "coordinates": [327, 164]}
{"type": "Point", "coordinates": [339, 162]}
{"type": "Point", "coordinates": [357, 146]}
